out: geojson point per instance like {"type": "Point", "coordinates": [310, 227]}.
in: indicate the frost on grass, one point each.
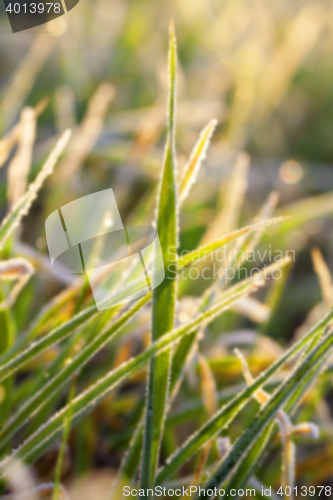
{"type": "Point", "coordinates": [19, 270]}
{"type": "Point", "coordinates": [13, 219]}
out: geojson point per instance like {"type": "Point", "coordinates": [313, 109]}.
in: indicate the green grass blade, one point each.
{"type": "Point", "coordinates": [129, 463]}
{"type": "Point", "coordinates": [37, 347]}
{"type": "Point", "coordinates": [298, 379]}
{"type": "Point", "coordinates": [250, 462]}
{"type": "Point", "coordinates": [165, 295]}
{"type": "Point", "coordinates": [52, 310]}
{"type": "Point", "coordinates": [197, 157]}
{"type": "Point", "coordinates": [7, 338]}
{"type": "Point", "coordinates": [225, 415]}
{"type": "Point", "coordinates": [180, 357]}
{"type": "Point", "coordinates": [50, 313]}
{"type": "Point", "coordinates": [16, 362]}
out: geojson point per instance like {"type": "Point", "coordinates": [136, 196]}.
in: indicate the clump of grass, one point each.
{"type": "Point", "coordinates": [68, 334]}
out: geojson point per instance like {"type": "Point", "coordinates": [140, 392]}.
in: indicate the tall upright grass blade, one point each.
{"type": "Point", "coordinates": [165, 295]}
{"type": "Point", "coordinates": [20, 85]}
{"type": "Point", "coordinates": [19, 270]}
{"type": "Point", "coordinates": [252, 460]}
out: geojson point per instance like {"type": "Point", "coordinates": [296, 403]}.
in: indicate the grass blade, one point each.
{"type": "Point", "coordinates": [67, 427]}
{"type": "Point", "coordinates": [87, 400]}
{"type": "Point", "coordinates": [313, 362]}
{"type": "Point", "coordinates": [7, 338]}
{"type": "Point", "coordinates": [16, 362]}
{"type": "Point", "coordinates": [324, 275]}
{"type": "Point", "coordinates": [165, 295]}
{"type": "Point", "coordinates": [212, 246]}
{"type": "Point", "coordinates": [199, 154]}
{"type": "Point", "coordinates": [249, 463]}
{"type": "Point", "coordinates": [20, 165]}
{"type": "Point", "coordinates": [183, 349]}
